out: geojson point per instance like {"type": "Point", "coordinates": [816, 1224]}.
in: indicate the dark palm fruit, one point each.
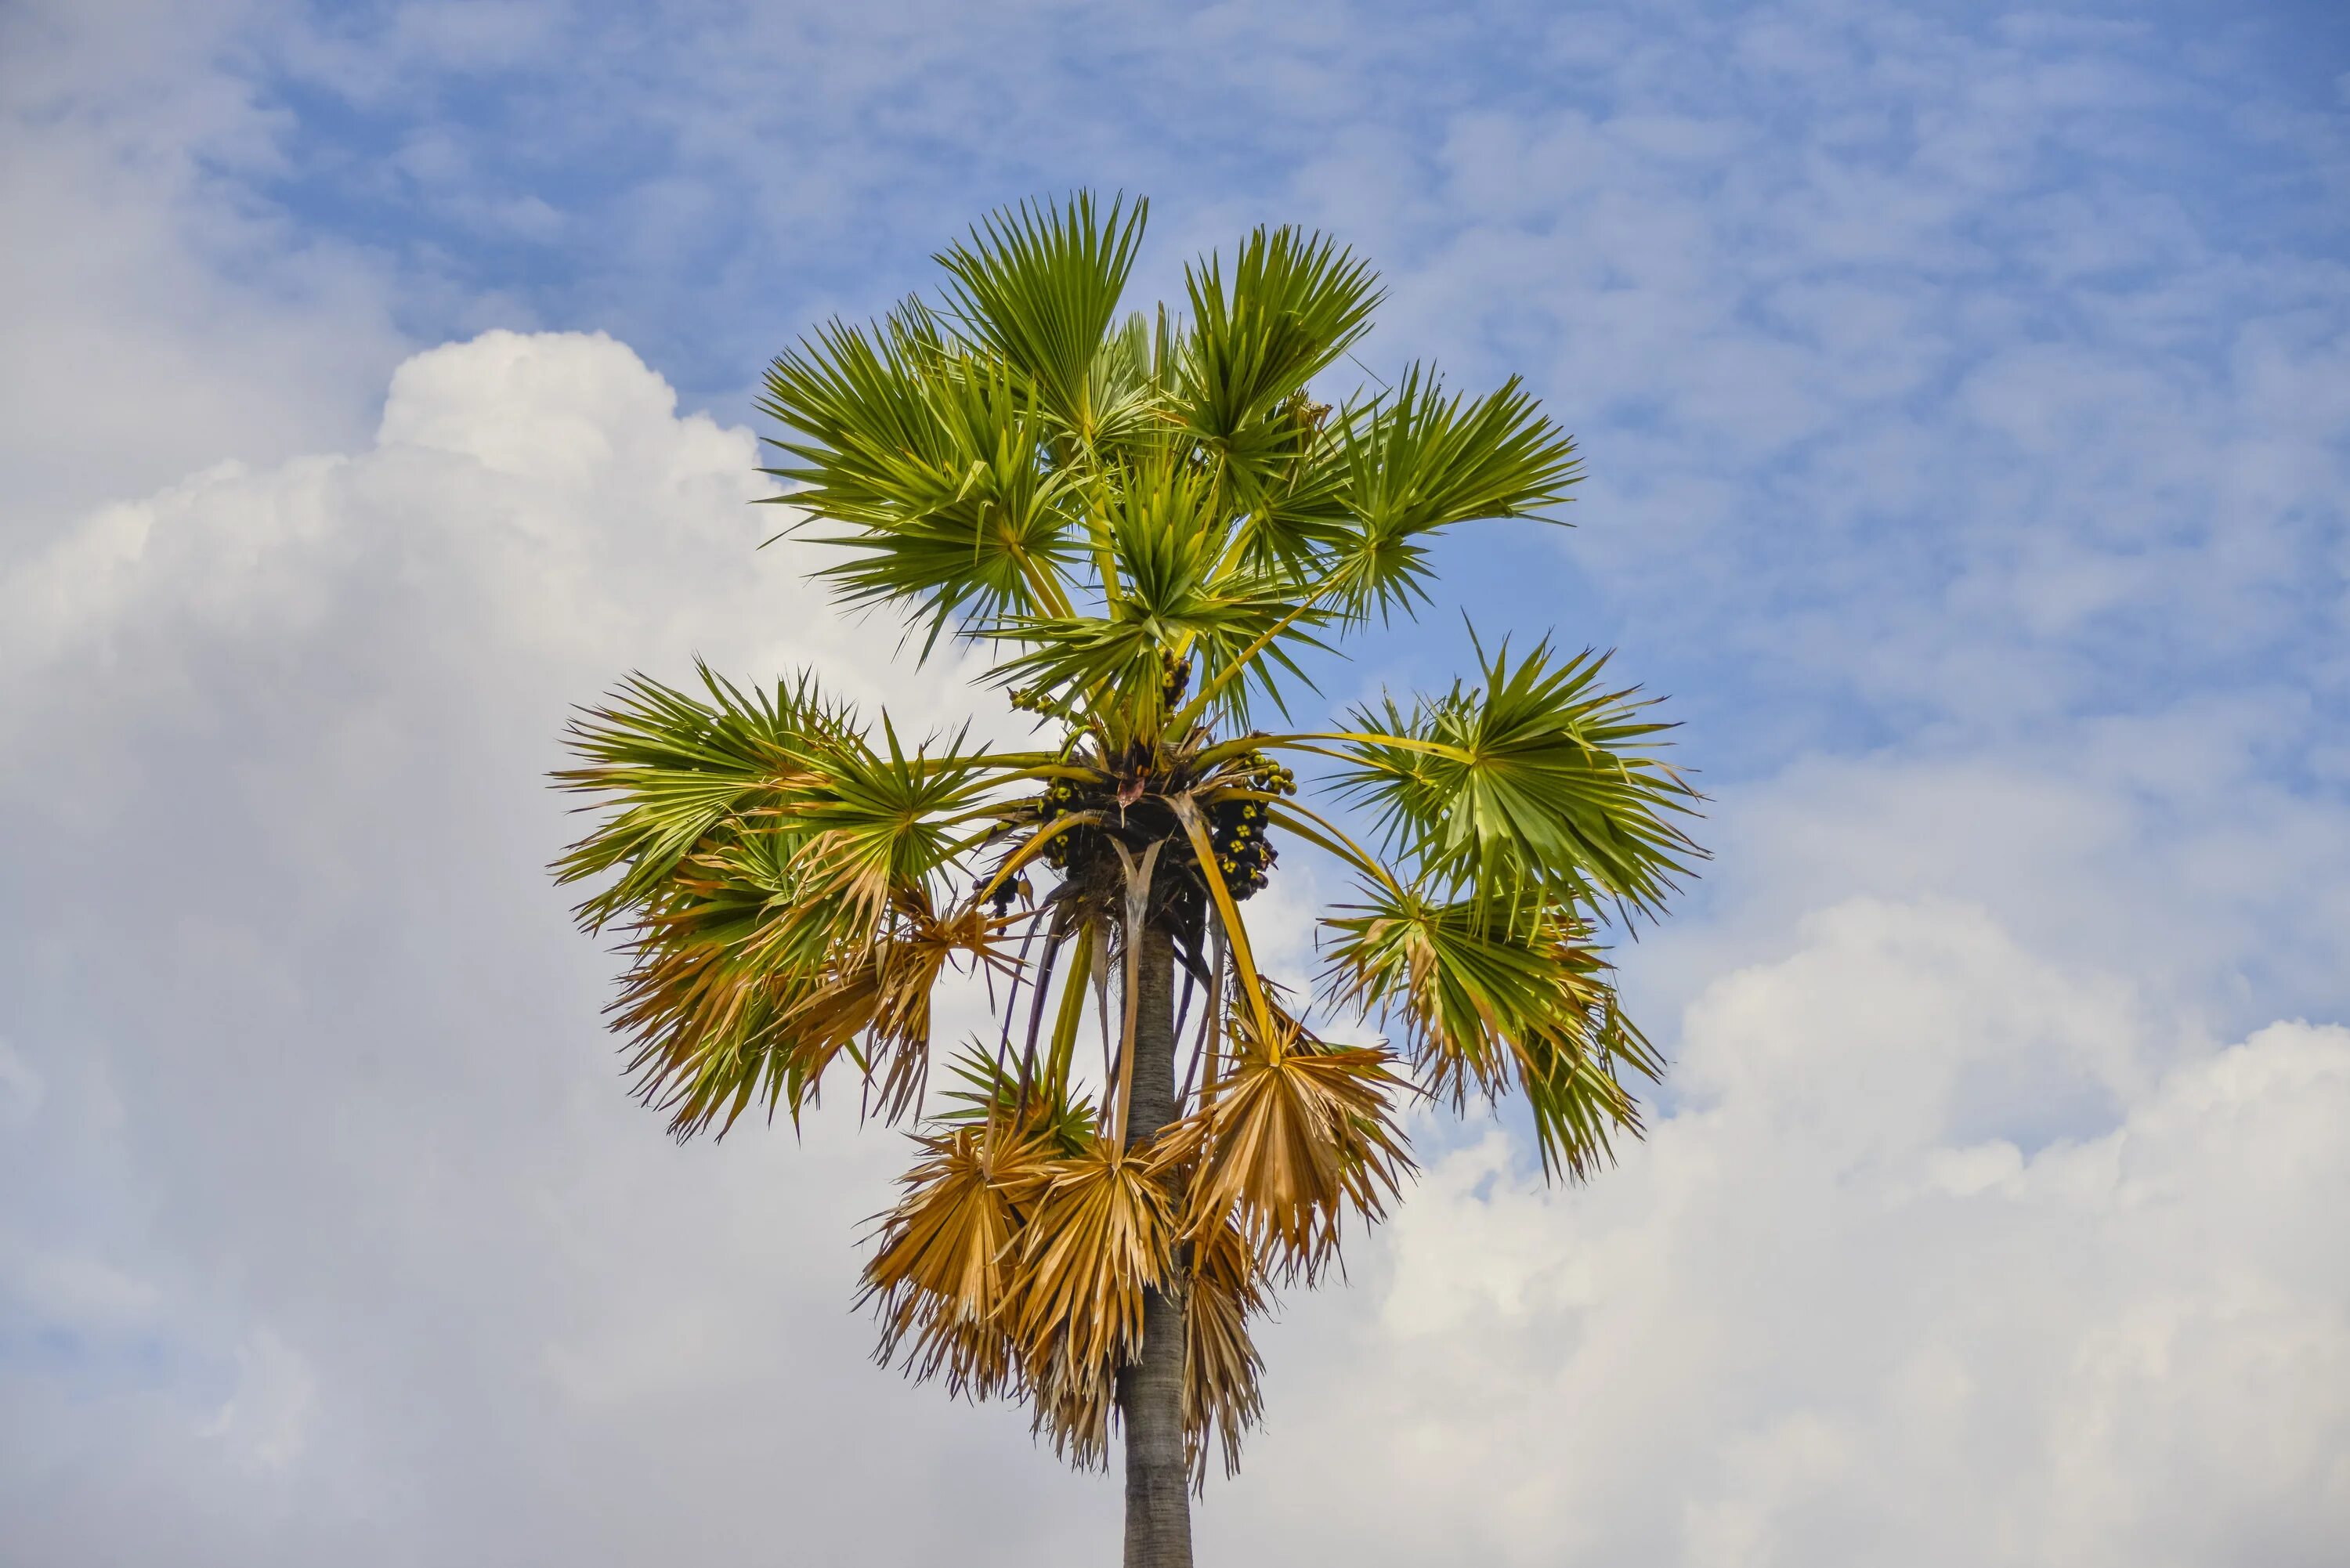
{"type": "Point", "coordinates": [1236, 830]}
{"type": "Point", "coordinates": [1000, 897]}
{"type": "Point", "coordinates": [1053, 803]}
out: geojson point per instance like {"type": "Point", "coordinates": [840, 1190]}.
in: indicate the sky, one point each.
{"type": "Point", "coordinates": [1964, 395]}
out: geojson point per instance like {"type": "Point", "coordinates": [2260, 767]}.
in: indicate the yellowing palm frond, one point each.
{"type": "Point", "coordinates": [1074, 1403]}
{"type": "Point", "coordinates": [882, 992]}
{"type": "Point", "coordinates": [740, 995]}
{"type": "Point", "coordinates": [1493, 993]}
{"type": "Point", "coordinates": [1299, 1132]}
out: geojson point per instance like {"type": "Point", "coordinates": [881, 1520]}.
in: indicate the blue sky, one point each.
{"type": "Point", "coordinates": [1947, 241]}
{"type": "Point", "coordinates": [1965, 400]}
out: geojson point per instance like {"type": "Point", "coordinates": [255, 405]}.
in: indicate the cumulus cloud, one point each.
{"type": "Point", "coordinates": [332, 1235]}
{"type": "Point", "coordinates": [1836, 1311]}
{"type": "Point", "coordinates": [328, 1216]}
{"type": "Point", "coordinates": [161, 315]}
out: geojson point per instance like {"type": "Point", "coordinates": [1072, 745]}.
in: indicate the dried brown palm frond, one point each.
{"type": "Point", "coordinates": [943, 1275]}
{"type": "Point", "coordinates": [1299, 1131]}
{"type": "Point", "coordinates": [1102, 1232]}
{"type": "Point", "coordinates": [1074, 1403]}
{"type": "Point", "coordinates": [882, 989]}
{"type": "Point", "coordinates": [1222, 1290]}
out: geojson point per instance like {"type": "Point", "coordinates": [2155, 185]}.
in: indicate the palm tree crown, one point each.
{"type": "Point", "coordinates": [1150, 519]}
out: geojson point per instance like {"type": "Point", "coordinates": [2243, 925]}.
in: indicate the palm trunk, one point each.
{"type": "Point", "coordinates": [1150, 1389]}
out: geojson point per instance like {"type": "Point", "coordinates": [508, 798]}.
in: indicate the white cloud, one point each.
{"type": "Point", "coordinates": [66, 1288]}
{"type": "Point", "coordinates": [322, 1067]}
{"type": "Point", "coordinates": [1828, 1313]}
{"type": "Point", "coordinates": [20, 1086]}
{"type": "Point", "coordinates": [160, 317]}
{"type": "Point", "coordinates": [267, 1419]}
{"type": "Point", "coordinates": [2173, 849]}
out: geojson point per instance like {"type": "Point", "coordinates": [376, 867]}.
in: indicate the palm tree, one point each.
{"type": "Point", "coordinates": [1151, 521]}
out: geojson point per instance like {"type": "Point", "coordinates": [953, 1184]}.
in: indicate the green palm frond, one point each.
{"type": "Point", "coordinates": [779, 878]}
{"type": "Point", "coordinates": [1294, 303]}
{"type": "Point", "coordinates": [1418, 462]}
{"type": "Point", "coordinates": [1039, 287]}
{"type": "Point", "coordinates": [877, 821]}
{"type": "Point", "coordinates": [993, 1090]}
{"type": "Point", "coordinates": [1133, 377]}
{"type": "Point", "coordinates": [1296, 518]}
{"type": "Point", "coordinates": [1495, 993]}
{"type": "Point", "coordinates": [1573, 1084]}
{"type": "Point", "coordinates": [928, 463]}
{"type": "Point", "coordinates": [678, 767]}
{"type": "Point", "coordinates": [1541, 777]}
{"type": "Point", "coordinates": [1112, 667]}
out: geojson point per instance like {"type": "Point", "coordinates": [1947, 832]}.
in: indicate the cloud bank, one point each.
{"type": "Point", "coordinates": [1955, 1242]}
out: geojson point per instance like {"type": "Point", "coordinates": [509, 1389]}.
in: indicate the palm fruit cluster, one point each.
{"type": "Point", "coordinates": [1174, 682]}
{"type": "Point", "coordinates": [1011, 890]}
{"type": "Point", "coordinates": [1237, 829]}
{"type": "Point", "coordinates": [1058, 801]}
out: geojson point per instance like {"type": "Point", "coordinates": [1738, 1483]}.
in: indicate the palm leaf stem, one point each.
{"type": "Point", "coordinates": [1098, 530]}
{"type": "Point", "coordinates": [1063, 1051]}
{"type": "Point", "coordinates": [1212, 1026]}
{"type": "Point", "coordinates": [1187, 813]}
{"type": "Point", "coordinates": [1207, 1022]}
{"type": "Point", "coordinates": [1101, 1012]}
{"type": "Point", "coordinates": [1041, 582]}
{"type": "Point", "coordinates": [1012, 1010]}
{"type": "Point", "coordinates": [1323, 834]}
{"type": "Point", "coordinates": [1183, 1002]}
{"type": "Point", "coordinates": [1031, 848]}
